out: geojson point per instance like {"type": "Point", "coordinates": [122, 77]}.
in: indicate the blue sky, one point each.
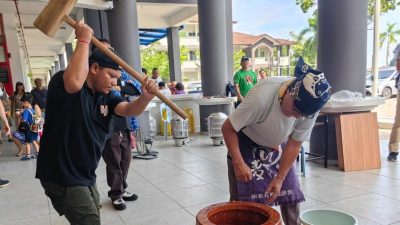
{"type": "Point", "coordinates": [278, 17]}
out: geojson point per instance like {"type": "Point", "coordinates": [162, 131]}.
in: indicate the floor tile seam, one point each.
{"type": "Point", "coordinates": [160, 190]}
{"type": "Point", "coordinates": [393, 178]}
{"type": "Point", "coordinates": [314, 199]}
{"type": "Point", "coordinates": [188, 206]}
{"type": "Point", "coordinates": [120, 218]}
{"type": "Point", "coordinates": [150, 214]}
{"type": "Point", "coordinates": [178, 189]}
{"type": "Point", "coordinates": [193, 173]}
{"type": "Point", "coordinates": [163, 177]}
{"type": "Point", "coordinates": [202, 179]}
{"type": "Point", "coordinates": [149, 181]}
{"type": "Point", "coordinates": [158, 179]}
{"type": "Point", "coordinates": [341, 199]}
{"type": "Point", "coordinates": [361, 188]}
{"type": "Point", "coordinates": [32, 217]}
{"type": "Point", "coordinates": [346, 198]}
{"type": "Point", "coordinates": [216, 186]}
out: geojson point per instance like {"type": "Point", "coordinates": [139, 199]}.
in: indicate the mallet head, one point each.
{"type": "Point", "coordinates": [51, 17]}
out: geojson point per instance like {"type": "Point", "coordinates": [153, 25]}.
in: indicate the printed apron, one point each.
{"type": "Point", "coordinates": [264, 165]}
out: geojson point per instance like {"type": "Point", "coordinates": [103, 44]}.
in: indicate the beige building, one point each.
{"type": "Point", "coordinates": [264, 51]}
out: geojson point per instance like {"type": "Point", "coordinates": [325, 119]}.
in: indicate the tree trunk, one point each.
{"type": "Point", "coordinates": [387, 52]}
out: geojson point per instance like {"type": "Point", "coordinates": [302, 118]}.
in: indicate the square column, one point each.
{"type": "Point", "coordinates": [174, 56]}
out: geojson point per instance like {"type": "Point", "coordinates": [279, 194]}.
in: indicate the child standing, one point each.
{"type": "Point", "coordinates": [25, 135]}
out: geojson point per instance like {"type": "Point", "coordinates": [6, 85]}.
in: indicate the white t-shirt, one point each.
{"type": "Point", "coordinates": [158, 80]}
{"type": "Point", "coordinates": [261, 118]}
{"type": "Point", "coordinates": [165, 91]}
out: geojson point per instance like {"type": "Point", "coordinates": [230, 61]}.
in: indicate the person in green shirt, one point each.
{"type": "Point", "coordinates": [244, 79]}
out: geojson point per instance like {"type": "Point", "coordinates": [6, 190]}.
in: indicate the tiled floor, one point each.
{"type": "Point", "coordinates": [174, 187]}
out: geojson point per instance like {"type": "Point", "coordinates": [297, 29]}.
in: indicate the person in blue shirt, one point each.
{"type": "Point", "coordinates": [25, 135]}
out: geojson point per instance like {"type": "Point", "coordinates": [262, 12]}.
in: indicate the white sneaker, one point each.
{"type": "Point", "coordinates": [119, 204]}
{"type": "Point", "coordinates": [127, 196]}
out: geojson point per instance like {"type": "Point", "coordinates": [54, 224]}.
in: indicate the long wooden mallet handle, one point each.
{"type": "Point", "coordinates": [128, 68]}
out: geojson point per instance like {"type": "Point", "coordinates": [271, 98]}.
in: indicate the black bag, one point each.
{"type": "Point", "coordinates": [230, 90]}
{"type": "Point", "coordinates": [24, 127]}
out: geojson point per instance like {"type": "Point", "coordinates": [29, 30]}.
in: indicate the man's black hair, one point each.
{"type": "Point", "coordinates": [161, 84]}
{"type": "Point", "coordinates": [144, 71]}
{"type": "Point", "coordinates": [179, 86]}
{"type": "Point", "coordinates": [27, 97]}
{"type": "Point", "coordinates": [102, 40]}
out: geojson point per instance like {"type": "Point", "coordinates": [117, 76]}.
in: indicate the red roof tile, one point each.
{"type": "Point", "coordinates": [248, 39]}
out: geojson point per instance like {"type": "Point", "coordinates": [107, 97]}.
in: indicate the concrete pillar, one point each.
{"type": "Point", "coordinates": [56, 66]}
{"type": "Point", "coordinates": [229, 40]}
{"type": "Point", "coordinates": [289, 59]}
{"type": "Point", "coordinates": [253, 58]}
{"type": "Point", "coordinates": [17, 60]}
{"type": "Point", "coordinates": [124, 37]}
{"type": "Point", "coordinates": [48, 77]}
{"type": "Point", "coordinates": [68, 51]}
{"type": "Point", "coordinates": [212, 24]}
{"type": "Point", "coordinates": [124, 32]}
{"type": "Point", "coordinates": [213, 51]}
{"type": "Point", "coordinates": [97, 20]}
{"type": "Point", "coordinates": [53, 70]}
{"type": "Point", "coordinates": [342, 56]}
{"type": "Point", "coordinates": [175, 72]}
{"type": "Point", "coordinates": [61, 59]}
{"type": "Point", "coordinates": [279, 60]}
{"type": "Point", "coordinates": [342, 43]}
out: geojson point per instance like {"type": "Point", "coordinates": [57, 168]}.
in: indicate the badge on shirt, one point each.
{"type": "Point", "coordinates": [104, 110]}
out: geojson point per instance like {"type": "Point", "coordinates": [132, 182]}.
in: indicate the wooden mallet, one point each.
{"type": "Point", "coordinates": [57, 11]}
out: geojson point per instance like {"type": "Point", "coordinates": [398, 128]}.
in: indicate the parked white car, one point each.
{"type": "Point", "coordinates": [193, 88]}
{"type": "Point", "coordinates": [386, 82]}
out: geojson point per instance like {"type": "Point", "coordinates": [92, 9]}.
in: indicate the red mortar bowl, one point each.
{"type": "Point", "coordinates": [238, 213]}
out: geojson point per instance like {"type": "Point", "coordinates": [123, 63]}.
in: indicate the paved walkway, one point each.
{"type": "Point", "coordinates": [174, 187]}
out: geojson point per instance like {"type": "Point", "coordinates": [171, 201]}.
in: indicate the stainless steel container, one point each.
{"type": "Point", "coordinates": [215, 121]}
{"type": "Point", "coordinates": [180, 130]}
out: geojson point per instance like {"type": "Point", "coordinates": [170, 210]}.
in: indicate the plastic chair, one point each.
{"type": "Point", "coordinates": [165, 119]}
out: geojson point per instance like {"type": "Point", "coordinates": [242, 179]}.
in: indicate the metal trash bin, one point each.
{"type": "Point", "coordinates": [215, 121]}
{"type": "Point", "coordinates": [180, 130]}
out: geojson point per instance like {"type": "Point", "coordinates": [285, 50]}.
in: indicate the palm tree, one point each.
{"type": "Point", "coordinates": [311, 42]}
{"type": "Point", "coordinates": [390, 37]}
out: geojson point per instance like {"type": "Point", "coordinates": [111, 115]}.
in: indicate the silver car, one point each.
{"type": "Point", "coordinates": [386, 82]}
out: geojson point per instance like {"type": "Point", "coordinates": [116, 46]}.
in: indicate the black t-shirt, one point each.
{"type": "Point", "coordinates": [74, 134]}
{"type": "Point", "coordinates": [39, 97]}
{"type": "Point", "coordinates": [120, 123]}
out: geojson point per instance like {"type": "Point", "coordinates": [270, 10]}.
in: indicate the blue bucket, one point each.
{"type": "Point", "coordinates": [327, 217]}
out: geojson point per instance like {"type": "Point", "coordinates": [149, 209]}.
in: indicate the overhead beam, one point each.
{"type": "Point", "coordinates": [89, 4]}
{"type": "Point", "coordinates": [169, 1]}
{"type": "Point", "coordinates": [182, 16]}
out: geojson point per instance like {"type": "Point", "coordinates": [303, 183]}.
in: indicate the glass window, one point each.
{"type": "Point", "coordinates": [192, 55]}
{"type": "Point", "coordinates": [383, 74]}
{"type": "Point", "coordinates": [192, 34]}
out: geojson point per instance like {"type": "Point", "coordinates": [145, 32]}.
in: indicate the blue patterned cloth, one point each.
{"type": "Point", "coordinates": [127, 79]}
{"type": "Point", "coordinates": [310, 90]}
